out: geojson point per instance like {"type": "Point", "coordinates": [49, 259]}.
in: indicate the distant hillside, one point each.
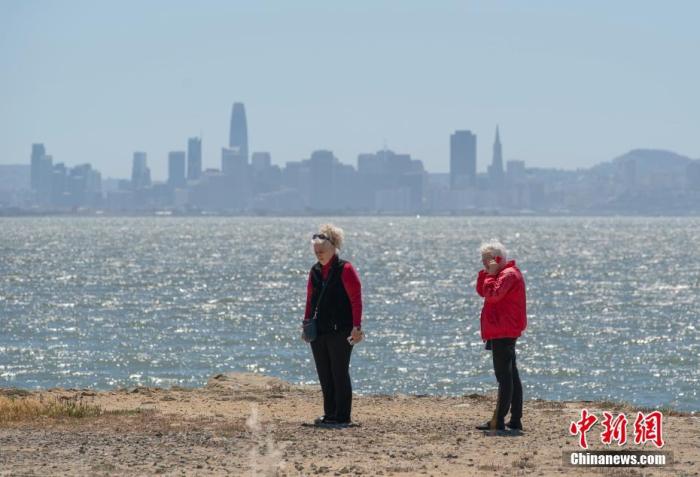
{"type": "Point", "coordinates": [647, 161]}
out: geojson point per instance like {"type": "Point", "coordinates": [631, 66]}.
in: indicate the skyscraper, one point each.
{"type": "Point", "coordinates": [194, 158]}
{"type": "Point", "coordinates": [59, 179]}
{"type": "Point", "coordinates": [238, 137]}
{"type": "Point", "coordinates": [496, 168]}
{"type": "Point", "coordinates": [462, 159]}
{"type": "Point", "coordinates": [236, 170]}
{"type": "Point", "coordinates": [41, 173]}
{"type": "Point", "coordinates": [140, 173]}
{"type": "Point", "coordinates": [176, 169]}
{"type": "Point", "coordinates": [38, 153]}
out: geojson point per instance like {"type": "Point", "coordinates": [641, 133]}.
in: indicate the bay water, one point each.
{"type": "Point", "coordinates": [613, 303]}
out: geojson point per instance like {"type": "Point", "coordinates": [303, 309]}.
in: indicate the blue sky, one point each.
{"type": "Point", "coordinates": [571, 84]}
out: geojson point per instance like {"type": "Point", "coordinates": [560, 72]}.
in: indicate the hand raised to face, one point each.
{"type": "Point", "coordinates": [492, 264]}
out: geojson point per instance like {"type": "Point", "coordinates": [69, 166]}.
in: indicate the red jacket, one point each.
{"type": "Point", "coordinates": [503, 314]}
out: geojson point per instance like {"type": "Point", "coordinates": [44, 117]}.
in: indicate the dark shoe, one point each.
{"type": "Point", "coordinates": [516, 425]}
{"type": "Point", "coordinates": [491, 426]}
{"type": "Point", "coordinates": [341, 424]}
{"type": "Point", "coordinates": [333, 424]}
{"type": "Point", "coordinates": [323, 420]}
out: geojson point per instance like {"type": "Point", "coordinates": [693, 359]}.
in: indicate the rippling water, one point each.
{"type": "Point", "coordinates": [102, 302]}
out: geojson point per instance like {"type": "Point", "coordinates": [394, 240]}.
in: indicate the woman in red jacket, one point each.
{"type": "Point", "coordinates": [503, 319]}
{"type": "Point", "coordinates": [334, 298]}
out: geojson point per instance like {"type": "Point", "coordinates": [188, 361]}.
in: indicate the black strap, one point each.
{"type": "Point", "coordinates": [323, 290]}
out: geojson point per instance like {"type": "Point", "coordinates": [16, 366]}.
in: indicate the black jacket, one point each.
{"type": "Point", "coordinates": [334, 311]}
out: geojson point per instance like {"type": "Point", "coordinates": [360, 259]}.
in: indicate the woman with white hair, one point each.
{"type": "Point", "coordinates": [334, 300]}
{"type": "Point", "coordinates": [503, 319]}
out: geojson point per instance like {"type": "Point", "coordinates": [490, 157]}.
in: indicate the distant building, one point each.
{"type": "Point", "coordinates": [462, 160]}
{"type": "Point", "coordinates": [38, 154]}
{"type": "Point", "coordinates": [194, 158]}
{"type": "Point", "coordinates": [346, 187]}
{"type": "Point", "coordinates": [120, 201]}
{"type": "Point", "coordinates": [211, 192]}
{"type": "Point", "coordinates": [321, 195]}
{"type": "Point", "coordinates": [45, 180]}
{"type": "Point", "coordinates": [140, 173]}
{"type": "Point", "coordinates": [266, 177]}
{"type": "Point", "coordinates": [59, 186]}
{"type": "Point", "coordinates": [515, 172]}
{"type": "Point", "coordinates": [41, 173]}
{"type": "Point", "coordinates": [450, 200]}
{"type": "Point", "coordinates": [238, 134]}
{"type": "Point", "coordinates": [286, 201]}
{"type": "Point", "coordinates": [260, 161]}
{"type": "Point", "coordinates": [176, 169]}
{"type": "Point", "coordinates": [496, 168]}
{"type": "Point", "coordinates": [296, 175]}
{"type": "Point", "coordinates": [232, 160]}
{"type": "Point", "coordinates": [235, 168]}
{"type": "Point", "coordinates": [84, 186]}
{"type": "Point", "coordinates": [516, 194]}
{"type": "Point", "coordinates": [15, 178]}
{"type": "Point", "coordinates": [395, 201]}
{"type": "Point", "coordinates": [80, 186]}
{"type": "Point", "coordinates": [388, 181]}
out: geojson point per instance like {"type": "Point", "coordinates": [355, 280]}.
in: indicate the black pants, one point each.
{"type": "Point", "coordinates": [332, 356]}
{"type": "Point", "coordinates": [510, 390]}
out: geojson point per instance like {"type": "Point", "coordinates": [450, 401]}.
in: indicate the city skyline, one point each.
{"type": "Point", "coordinates": [213, 160]}
{"type": "Point", "coordinates": [462, 158]}
{"type": "Point", "coordinates": [570, 85]}
{"type": "Point", "coordinates": [463, 161]}
{"type": "Point", "coordinates": [381, 182]}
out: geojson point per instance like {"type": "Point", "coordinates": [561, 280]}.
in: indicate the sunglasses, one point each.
{"type": "Point", "coordinates": [322, 237]}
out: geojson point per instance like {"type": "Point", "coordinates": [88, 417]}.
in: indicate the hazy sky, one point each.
{"type": "Point", "coordinates": [570, 83]}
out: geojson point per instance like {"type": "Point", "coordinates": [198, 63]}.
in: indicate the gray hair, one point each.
{"type": "Point", "coordinates": [495, 248]}
{"type": "Point", "coordinates": [335, 234]}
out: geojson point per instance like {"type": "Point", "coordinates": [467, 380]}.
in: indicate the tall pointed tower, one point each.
{"type": "Point", "coordinates": [238, 137]}
{"type": "Point", "coordinates": [496, 169]}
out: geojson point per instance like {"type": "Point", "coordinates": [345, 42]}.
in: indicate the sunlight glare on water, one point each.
{"type": "Point", "coordinates": [102, 302]}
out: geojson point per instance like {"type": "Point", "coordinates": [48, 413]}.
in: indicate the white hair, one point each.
{"type": "Point", "coordinates": [495, 248]}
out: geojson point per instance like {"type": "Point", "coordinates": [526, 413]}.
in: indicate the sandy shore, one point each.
{"type": "Point", "coordinates": [242, 424]}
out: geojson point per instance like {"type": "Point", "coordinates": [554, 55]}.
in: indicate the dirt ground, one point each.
{"type": "Point", "coordinates": [244, 424]}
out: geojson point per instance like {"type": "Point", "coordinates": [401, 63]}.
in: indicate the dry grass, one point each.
{"type": "Point", "coordinates": [669, 411]}
{"type": "Point", "coordinates": [22, 408]}
{"type": "Point", "coordinates": [628, 407]}
{"type": "Point", "coordinates": [129, 412]}
{"type": "Point", "coordinates": [488, 467]}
